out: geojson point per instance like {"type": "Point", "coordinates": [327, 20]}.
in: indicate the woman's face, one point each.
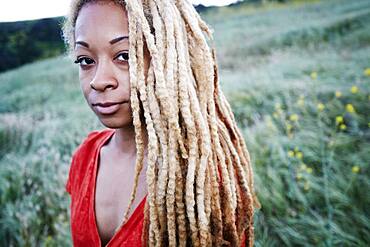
{"type": "Point", "coordinates": [101, 49]}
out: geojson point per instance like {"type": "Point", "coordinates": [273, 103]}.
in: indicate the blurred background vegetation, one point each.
{"type": "Point", "coordinates": [26, 41]}
{"type": "Point", "coordinates": [297, 74]}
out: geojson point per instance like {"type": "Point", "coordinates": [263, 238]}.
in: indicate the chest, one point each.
{"type": "Point", "coordinates": [113, 189]}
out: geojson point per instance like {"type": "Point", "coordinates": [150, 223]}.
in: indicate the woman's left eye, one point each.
{"type": "Point", "coordinates": [123, 56]}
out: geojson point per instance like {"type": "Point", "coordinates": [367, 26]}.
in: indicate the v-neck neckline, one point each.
{"type": "Point", "coordinates": [95, 174]}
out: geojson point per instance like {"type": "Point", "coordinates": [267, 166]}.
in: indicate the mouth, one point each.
{"type": "Point", "coordinates": [108, 108]}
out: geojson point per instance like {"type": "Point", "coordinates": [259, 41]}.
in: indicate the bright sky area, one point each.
{"type": "Point", "coordinates": [17, 10]}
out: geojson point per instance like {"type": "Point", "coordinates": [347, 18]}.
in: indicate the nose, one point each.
{"type": "Point", "coordinates": [104, 77]}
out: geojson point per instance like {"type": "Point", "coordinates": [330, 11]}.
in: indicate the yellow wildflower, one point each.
{"type": "Point", "coordinates": [338, 94]}
{"type": "Point", "coordinates": [306, 186]}
{"type": "Point", "coordinates": [296, 149]}
{"type": "Point", "coordinates": [320, 106]}
{"type": "Point", "coordinates": [269, 123]}
{"type": "Point", "coordinates": [354, 89]}
{"type": "Point", "coordinates": [342, 126]}
{"type": "Point", "coordinates": [290, 153]}
{"type": "Point", "coordinates": [367, 72]}
{"type": "Point", "coordinates": [300, 102]}
{"type": "Point", "coordinates": [303, 166]}
{"type": "Point", "coordinates": [289, 126]}
{"type": "Point", "coordinates": [299, 155]}
{"type": "Point", "coordinates": [294, 117]}
{"type": "Point", "coordinates": [314, 75]}
{"type": "Point", "coordinates": [355, 169]}
{"type": "Point", "coordinates": [350, 108]}
{"type": "Point", "coordinates": [277, 106]}
{"type": "Point", "coordinates": [309, 170]}
{"type": "Point", "coordinates": [339, 119]}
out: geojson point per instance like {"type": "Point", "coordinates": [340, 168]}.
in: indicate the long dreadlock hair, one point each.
{"type": "Point", "coordinates": [199, 173]}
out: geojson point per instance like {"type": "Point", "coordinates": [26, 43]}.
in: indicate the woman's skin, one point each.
{"type": "Point", "coordinates": [104, 78]}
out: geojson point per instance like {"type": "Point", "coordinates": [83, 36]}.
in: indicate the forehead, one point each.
{"type": "Point", "coordinates": [101, 19]}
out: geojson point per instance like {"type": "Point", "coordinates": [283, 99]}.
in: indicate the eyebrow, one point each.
{"type": "Point", "coordinates": [82, 43]}
{"type": "Point", "coordinates": [112, 42]}
{"type": "Point", "coordinates": [118, 39]}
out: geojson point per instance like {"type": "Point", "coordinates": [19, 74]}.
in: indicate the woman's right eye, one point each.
{"type": "Point", "coordinates": [84, 61]}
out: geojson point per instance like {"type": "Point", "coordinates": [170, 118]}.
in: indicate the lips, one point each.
{"type": "Point", "coordinates": [108, 108]}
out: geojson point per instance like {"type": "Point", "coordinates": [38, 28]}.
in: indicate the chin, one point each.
{"type": "Point", "coordinates": [116, 122]}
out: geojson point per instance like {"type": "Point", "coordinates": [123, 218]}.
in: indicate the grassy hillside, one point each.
{"type": "Point", "coordinates": [298, 79]}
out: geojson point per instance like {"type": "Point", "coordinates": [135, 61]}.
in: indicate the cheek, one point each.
{"type": "Point", "coordinates": [85, 86]}
{"type": "Point", "coordinates": [124, 83]}
{"type": "Point", "coordinates": [128, 83]}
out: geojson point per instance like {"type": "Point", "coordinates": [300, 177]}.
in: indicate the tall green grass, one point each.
{"type": "Point", "coordinates": [298, 79]}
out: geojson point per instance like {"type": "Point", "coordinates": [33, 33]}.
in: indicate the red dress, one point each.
{"type": "Point", "coordinates": [81, 186]}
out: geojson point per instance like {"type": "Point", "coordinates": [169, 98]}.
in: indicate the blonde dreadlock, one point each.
{"type": "Point", "coordinates": [198, 162]}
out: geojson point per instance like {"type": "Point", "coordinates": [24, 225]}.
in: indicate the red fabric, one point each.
{"type": "Point", "coordinates": [81, 186]}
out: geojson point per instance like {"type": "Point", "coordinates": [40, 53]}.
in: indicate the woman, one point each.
{"type": "Point", "coordinates": [172, 150]}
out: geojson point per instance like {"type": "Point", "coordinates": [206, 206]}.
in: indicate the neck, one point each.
{"type": "Point", "coordinates": [124, 141]}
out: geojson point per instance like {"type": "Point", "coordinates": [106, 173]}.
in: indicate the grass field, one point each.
{"type": "Point", "coordinates": [298, 78]}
